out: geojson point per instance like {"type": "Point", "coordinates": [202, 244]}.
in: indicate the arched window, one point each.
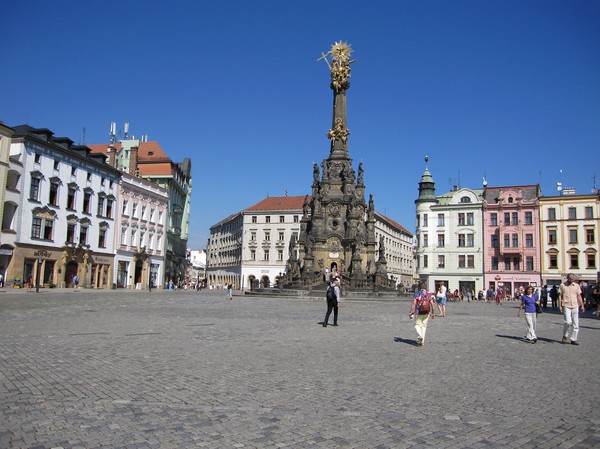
{"type": "Point", "coordinates": [465, 199]}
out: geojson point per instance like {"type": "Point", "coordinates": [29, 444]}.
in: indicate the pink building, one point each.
{"type": "Point", "coordinates": [511, 237]}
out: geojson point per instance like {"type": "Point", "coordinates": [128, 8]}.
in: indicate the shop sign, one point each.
{"type": "Point", "coordinates": [102, 260]}
{"type": "Point", "coordinates": [6, 252]}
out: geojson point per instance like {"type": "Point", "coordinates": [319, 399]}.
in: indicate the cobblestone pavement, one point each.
{"type": "Point", "coordinates": [115, 369]}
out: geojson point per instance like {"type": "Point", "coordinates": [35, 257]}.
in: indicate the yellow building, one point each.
{"type": "Point", "coordinates": [569, 227]}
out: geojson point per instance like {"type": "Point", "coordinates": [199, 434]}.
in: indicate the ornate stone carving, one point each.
{"type": "Point", "coordinates": [338, 132]}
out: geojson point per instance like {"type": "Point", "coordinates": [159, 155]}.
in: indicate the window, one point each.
{"type": "Point", "coordinates": [71, 197]}
{"type": "Point", "coordinates": [470, 240]}
{"type": "Point", "coordinates": [253, 218]}
{"type": "Point", "coordinates": [494, 219]}
{"type": "Point", "coordinates": [267, 220]}
{"type": "Point", "coordinates": [506, 240]}
{"type": "Point", "coordinates": [282, 219]}
{"type": "Point", "coordinates": [53, 199]}
{"type": "Point", "coordinates": [266, 255]}
{"type": "Point", "coordinates": [589, 212]}
{"type": "Point", "coordinates": [507, 263]}
{"type": "Point", "coordinates": [34, 190]}
{"type": "Point", "coordinates": [425, 220]}
{"type": "Point", "coordinates": [125, 205]}
{"type": "Point", "coordinates": [591, 260]}
{"type": "Point", "coordinates": [109, 206]}
{"type": "Point", "coordinates": [124, 235]}
{"type": "Point", "coordinates": [280, 255]}
{"type": "Point", "coordinates": [253, 236]}
{"type": "Point", "coordinates": [589, 236]}
{"type": "Point", "coordinates": [552, 213]}
{"type": "Point", "coordinates": [572, 235]}
{"type": "Point", "coordinates": [470, 219]}
{"type": "Point", "coordinates": [461, 262]}
{"type": "Point", "coordinates": [70, 232]}
{"type": "Point", "coordinates": [100, 206]}
{"type": "Point", "coordinates": [516, 263]}
{"type": "Point", "coordinates": [36, 227]}
{"type": "Point", "coordinates": [143, 216]}
{"type": "Point", "coordinates": [441, 240]}
{"type": "Point", "coordinates": [470, 261]}
{"type": "Point", "coordinates": [510, 199]}
{"type": "Point", "coordinates": [418, 221]}
{"type": "Point", "coordinates": [462, 241]}
{"type": "Point", "coordinates": [529, 263]}
{"type": "Point", "coordinates": [83, 233]}
{"type": "Point", "coordinates": [160, 215]}
{"type": "Point", "coordinates": [252, 254]}
{"type": "Point", "coordinates": [529, 240]}
{"type": "Point", "coordinates": [441, 220]}
{"type": "Point", "coordinates": [495, 263]}
{"type": "Point", "coordinates": [495, 242]}
{"type": "Point", "coordinates": [102, 181]}
{"type": "Point", "coordinates": [267, 237]}
{"type": "Point", "coordinates": [425, 261]}
{"type": "Point", "coordinates": [295, 236]}
{"type": "Point", "coordinates": [441, 261]}
{"type": "Point", "coordinates": [296, 219]}
{"type": "Point", "coordinates": [465, 199]}
{"type": "Point", "coordinates": [515, 218]}
{"type": "Point", "coordinates": [152, 214]}
{"type": "Point", "coordinates": [551, 235]}
{"type": "Point", "coordinates": [507, 218]}
{"type": "Point", "coordinates": [425, 240]}
{"type": "Point", "coordinates": [528, 218]}
{"type": "Point", "coordinates": [515, 240]}
{"type": "Point", "coordinates": [134, 210]}
{"type": "Point", "coordinates": [56, 165]}
{"type": "Point", "coordinates": [133, 237]}
{"type": "Point", "coordinates": [87, 196]}
{"type": "Point", "coordinates": [89, 178]}
{"type": "Point", "coordinates": [37, 158]}
{"type": "Point", "coordinates": [572, 213]}
{"type": "Point", "coordinates": [73, 171]}
{"type": "Point", "coordinates": [281, 236]}
{"type": "Point", "coordinates": [102, 238]}
{"type": "Point", "coordinates": [461, 219]}
{"type": "Point", "coordinates": [553, 261]}
{"type": "Point", "coordinates": [574, 259]}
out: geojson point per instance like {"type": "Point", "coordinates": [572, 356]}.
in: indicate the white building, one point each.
{"type": "Point", "coordinates": [398, 249]}
{"type": "Point", "coordinates": [59, 212]}
{"type": "Point", "coordinates": [449, 237]}
{"type": "Point", "coordinates": [140, 237]}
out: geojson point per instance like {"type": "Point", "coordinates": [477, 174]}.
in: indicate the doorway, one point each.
{"type": "Point", "coordinates": [70, 272]}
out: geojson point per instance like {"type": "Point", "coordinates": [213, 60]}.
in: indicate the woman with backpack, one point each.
{"type": "Point", "coordinates": [423, 307]}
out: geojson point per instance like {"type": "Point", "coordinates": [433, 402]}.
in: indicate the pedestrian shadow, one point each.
{"type": "Point", "coordinates": [524, 340]}
{"type": "Point", "coordinates": [406, 340]}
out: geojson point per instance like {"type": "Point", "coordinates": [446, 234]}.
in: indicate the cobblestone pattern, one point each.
{"type": "Point", "coordinates": [106, 369]}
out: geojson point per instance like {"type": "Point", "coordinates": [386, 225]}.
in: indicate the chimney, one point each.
{"type": "Point", "coordinates": [112, 152]}
{"type": "Point", "coordinates": [455, 188]}
{"type": "Point", "coordinates": [133, 161]}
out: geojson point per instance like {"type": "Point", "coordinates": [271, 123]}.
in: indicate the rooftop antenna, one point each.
{"type": "Point", "coordinates": [83, 136]}
{"type": "Point", "coordinates": [559, 187]}
{"type": "Point", "coordinates": [285, 192]}
{"type": "Point", "coordinates": [113, 132]}
{"type": "Point", "coordinates": [126, 128]}
{"type": "Point", "coordinates": [595, 188]}
{"type": "Point", "coordinates": [459, 186]}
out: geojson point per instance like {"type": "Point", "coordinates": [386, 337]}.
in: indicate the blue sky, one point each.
{"type": "Point", "coordinates": [505, 89]}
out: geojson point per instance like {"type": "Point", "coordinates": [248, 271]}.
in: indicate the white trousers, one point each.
{"type": "Point", "coordinates": [421, 325]}
{"type": "Point", "coordinates": [531, 319]}
{"type": "Point", "coordinates": [571, 317]}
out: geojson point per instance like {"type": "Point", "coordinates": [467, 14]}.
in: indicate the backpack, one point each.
{"type": "Point", "coordinates": [330, 295]}
{"type": "Point", "coordinates": [423, 304]}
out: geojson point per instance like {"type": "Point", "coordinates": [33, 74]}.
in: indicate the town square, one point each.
{"type": "Point", "coordinates": [90, 369]}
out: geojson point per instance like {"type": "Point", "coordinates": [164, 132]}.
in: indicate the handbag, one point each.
{"type": "Point", "coordinates": [538, 308]}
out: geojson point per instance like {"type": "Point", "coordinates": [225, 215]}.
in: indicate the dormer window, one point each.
{"type": "Point", "coordinates": [465, 199]}
{"type": "Point", "coordinates": [510, 199]}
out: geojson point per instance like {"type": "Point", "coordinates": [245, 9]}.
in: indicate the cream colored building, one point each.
{"type": "Point", "coordinates": [569, 226]}
{"type": "Point", "coordinates": [399, 251]}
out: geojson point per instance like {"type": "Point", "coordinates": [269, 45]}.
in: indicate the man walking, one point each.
{"type": "Point", "coordinates": [554, 296]}
{"type": "Point", "coordinates": [333, 301]}
{"type": "Point", "coordinates": [423, 307]}
{"type": "Point", "coordinates": [569, 301]}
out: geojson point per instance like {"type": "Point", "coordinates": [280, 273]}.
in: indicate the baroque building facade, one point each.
{"type": "Point", "coordinates": [398, 242]}
{"type": "Point", "coordinates": [59, 212]}
{"type": "Point", "coordinates": [449, 237]}
{"type": "Point", "coordinates": [569, 226]}
{"type": "Point", "coordinates": [512, 238]}
{"type": "Point", "coordinates": [149, 161]}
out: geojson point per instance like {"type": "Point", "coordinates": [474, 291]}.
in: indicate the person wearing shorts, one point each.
{"type": "Point", "coordinates": [441, 299]}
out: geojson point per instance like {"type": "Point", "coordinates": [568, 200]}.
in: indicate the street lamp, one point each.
{"type": "Point", "coordinates": [37, 277]}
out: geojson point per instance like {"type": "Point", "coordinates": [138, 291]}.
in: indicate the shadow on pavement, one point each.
{"type": "Point", "coordinates": [524, 340]}
{"type": "Point", "coordinates": [406, 340]}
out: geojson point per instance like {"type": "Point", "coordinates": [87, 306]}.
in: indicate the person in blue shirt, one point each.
{"type": "Point", "coordinates": [528, 302]}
